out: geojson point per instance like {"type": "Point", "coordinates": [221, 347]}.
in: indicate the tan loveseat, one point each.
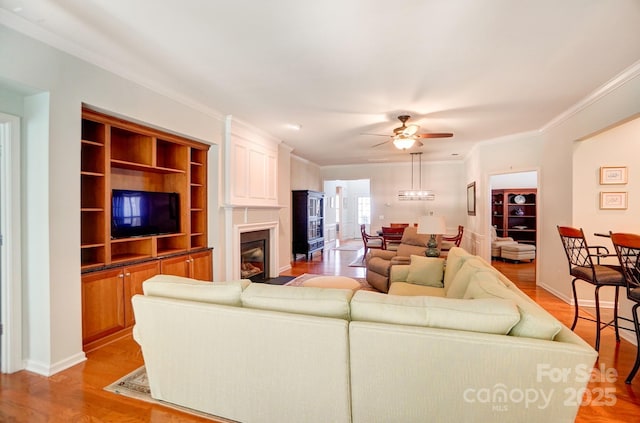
{"type": "Point", "coordinates": [261, 353]}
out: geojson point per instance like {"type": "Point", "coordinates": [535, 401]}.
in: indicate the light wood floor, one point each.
{"type": "Point", "coordinates": [77, 395]}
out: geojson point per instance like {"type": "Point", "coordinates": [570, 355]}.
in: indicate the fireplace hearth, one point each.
{"type": "Point", "coordinates": [254, 255]}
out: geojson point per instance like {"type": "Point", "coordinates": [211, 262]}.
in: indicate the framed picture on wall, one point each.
{"type": "Point", "coordinates": [471, 199]}
{"type": "Point", "coordinates": [610, 175]}
{"type": "Point", "coordinates": [613, 200]}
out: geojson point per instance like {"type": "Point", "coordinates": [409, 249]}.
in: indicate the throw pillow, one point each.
{"type": "Point", "coordinates": [455, 259]}
{"type": "Point", "coordinates": [534, 321]}
{"type": "Point", "coordinates": [426, 271]}
{"type": "Point", "coordinates": [496, 316]}
{"type": "Point", "coordinates": [471, 266]}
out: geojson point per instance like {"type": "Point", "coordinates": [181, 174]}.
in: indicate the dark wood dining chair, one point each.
{"type": "Point", "coordinates": [392, 236]}
{"type": "Point", "coordinates": [628, 250]}
{"type": "Point", "coordinates": [456, 239]}
{"type": "Point", "coordinates": [582, 267]}
{"type": "Point", "coordinates": [371, 241]}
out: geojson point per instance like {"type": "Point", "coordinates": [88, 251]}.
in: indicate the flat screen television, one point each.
{"type": "Point", "coordinates": [144, 213]}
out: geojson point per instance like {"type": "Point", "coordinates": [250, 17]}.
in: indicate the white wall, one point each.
{"type": "Point", "coordinates": [446, 179]}
{"type": "Point", "coordinates": [515, 180]}
{"type": "Point", "coordinates": [557, 185]}
{"type": "Point", "coordinates": [516, 153]}
{"type": "Point", "coordinates": [619, 146]}
{"type": "Point", "coordinates": [550, 151]}
{"type": "Point", "coordinates": [305, 175]}
{"type": "Point", "coordinates": [51, 165]}
{"type": "Point", "coordinates": [616, 147]}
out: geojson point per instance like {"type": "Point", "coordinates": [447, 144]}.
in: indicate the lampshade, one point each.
{"type": "Point", "coordinates": [430, 224]}
{"type": "Point", "coordinates": [403, 142]}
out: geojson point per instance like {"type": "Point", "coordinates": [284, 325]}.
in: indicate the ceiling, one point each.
{"type": "Point", "coordinates": [482, 69]}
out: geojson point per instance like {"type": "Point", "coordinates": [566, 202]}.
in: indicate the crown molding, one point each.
{"type": "Point", "coordinates": [25, 27]}
{"type": "Point", "coordinates": [619, 80]}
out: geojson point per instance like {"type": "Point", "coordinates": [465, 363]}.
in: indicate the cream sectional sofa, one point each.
{"type": "Point", "coordinates": [262, 353]}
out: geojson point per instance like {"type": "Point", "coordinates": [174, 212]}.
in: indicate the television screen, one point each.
{"type": "Point", "coordinates": [143, 213]}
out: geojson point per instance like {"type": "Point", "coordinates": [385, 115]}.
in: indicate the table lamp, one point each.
{"type": "Point", "coordinates": [433, 225]}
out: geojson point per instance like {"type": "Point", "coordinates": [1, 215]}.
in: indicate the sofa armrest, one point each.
{"type": "Point", "coordinates": [400, 260]}
{"type": "Point", "coordinates": [383, 254]}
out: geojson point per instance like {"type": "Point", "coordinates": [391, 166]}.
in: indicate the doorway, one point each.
{"type": "Point", "coordinates": [513, 212]}
{"type": "Point", "coordinates": [348, 207]}
{"type": "Point", "coordinates": [10, 261]}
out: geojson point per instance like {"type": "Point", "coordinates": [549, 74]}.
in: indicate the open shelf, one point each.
{"type": "Point", "coordinates": [515, 207]}
{"type": "Point", "coordinates": [144, 167]}
{"type": "Point", "coordinates": [116, 154]}
{"type": "Point", "coordinates": [93, 132]}
{"type": "Point", "coordinates": [92, 256]}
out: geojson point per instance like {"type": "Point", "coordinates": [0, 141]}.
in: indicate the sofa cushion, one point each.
{"type": "Point", "coordinates": [455, 259]}
{"type": "Point", "coordinates": [406, 250]}
{"type": "Point", "coordinates": [404, 288]}
{"type": "Point", "coordinates": [194, 290]}
{"type": "Point", "coordinates": [471, 266]}
{"type": "Point", "coordinates": [314, 301]}
{"type": "Point", "coordinates": [426, 271]}
{"type": "Point", "coordinates": [410, 236]}
{"type": "Point", "coordinates": [495, 316]}
{"type": "Point", "coordinates": [534, 321]}
{"type": "Point", "coordinates": [399, 272]}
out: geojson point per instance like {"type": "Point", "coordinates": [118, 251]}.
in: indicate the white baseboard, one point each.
{"type": "Point", "coordinates": [284, 268]}
{"type": "Point", "coordinates": [48, 370]}
{"type": "Point", "coordinates": [568, 300]}
{"type": "Point", "coordinates": [624, 334]}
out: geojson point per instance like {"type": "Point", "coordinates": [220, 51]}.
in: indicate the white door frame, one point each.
{"type": "Point", "coordinates": [10, 267]}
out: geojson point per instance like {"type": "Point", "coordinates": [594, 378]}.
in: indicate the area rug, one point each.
{"type": "Point", "coordinates": [349, 247]}
{"type": "Point", "coordinates": [358, 262]}
{"type": "Point", "coordinates": [280, 280]}
{"type": "Point", "coordinates": [136, 385]}
{"type": "Point", "coordinates": [306, 276]}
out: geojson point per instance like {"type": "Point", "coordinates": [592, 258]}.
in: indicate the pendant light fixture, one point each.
{"type": "Point", "coordinates": [416, 194]}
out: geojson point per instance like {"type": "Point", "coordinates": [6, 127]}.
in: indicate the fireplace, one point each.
{"type": "Point", "coordinates": [254, 255]}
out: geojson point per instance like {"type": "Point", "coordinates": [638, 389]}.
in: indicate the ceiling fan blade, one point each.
{"type": "Point", "coordinates": [376, 135]}
{"type": "Point", "coordinates": [437, 135]}
{"type": "Point", "coordinates": [379, 144]}
{"type": "Point", "coordinates": [418, 143]}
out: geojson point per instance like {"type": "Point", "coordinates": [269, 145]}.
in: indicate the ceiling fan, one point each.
{"type": "Point", "coordinates": [405, 136]}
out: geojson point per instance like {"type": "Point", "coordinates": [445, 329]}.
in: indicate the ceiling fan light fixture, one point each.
{"type": "Point", "coordinates": [410, 130]}
{"type": "Point", "coordinates": [402, 142]}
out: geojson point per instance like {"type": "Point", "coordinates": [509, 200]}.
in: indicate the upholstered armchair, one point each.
{"type": "Point", "coordinates": [379, 262]}
{"type": "Point", "coordinates": [497, 242]}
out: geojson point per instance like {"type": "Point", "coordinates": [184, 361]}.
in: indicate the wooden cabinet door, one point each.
{"type": "Point", "coordinates": [202, 266]}
{"type": "Point", "coordinates": [102, 304]}
{"type": "Point", "coordinates": [133, 278]}
{"type": "Point", "coordinates": [178, 266]}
